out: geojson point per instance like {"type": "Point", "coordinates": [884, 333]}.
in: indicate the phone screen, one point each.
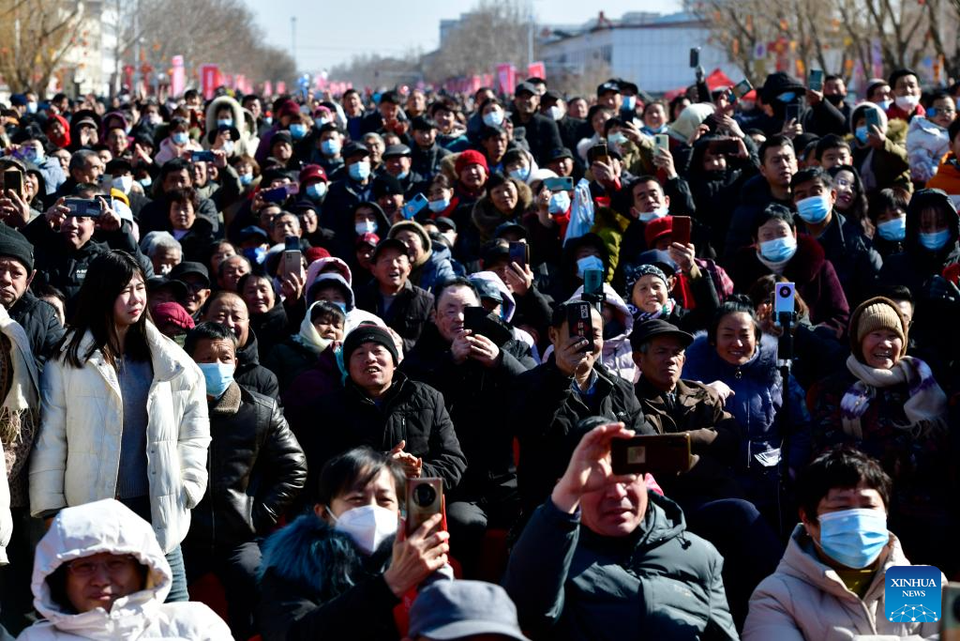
{"type": "Point", "coordinates": [519, 253]}
{"type": "Point", "coordinates": [793, 112]}
{"type": "Point", "coordinates": [815, 81]}
{"type": "Point", "coordinates": [681, 230]}
{"type": "Point", "coordinates": [742, 88]}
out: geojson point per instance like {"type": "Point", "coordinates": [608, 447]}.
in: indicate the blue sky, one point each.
{"type": "Point", "coordinates": [332, 32]}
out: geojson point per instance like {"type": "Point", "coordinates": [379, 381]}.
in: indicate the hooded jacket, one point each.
{"type": "Point", "coordinates": [248, 143]}
{"type": "Point", "coordinates": [77, 453]}
{"type": "Point", "coordinates": [355, 316]}
{"type": "Point", "coordinates": [806, 599]}
{"type": "Point", "coordinates": [109, 526]}
{"type": "Point", "coordinates": [660, 582]}
{"type": "Point", "coordinates": [887, 166]}
{"type": "Point", "coordinates": [927, 144]}
{"type": "Point", "coordinates": [251, 374]}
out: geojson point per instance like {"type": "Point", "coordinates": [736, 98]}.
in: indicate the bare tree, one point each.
{"type": "Point", "coordinates": [36, 34]}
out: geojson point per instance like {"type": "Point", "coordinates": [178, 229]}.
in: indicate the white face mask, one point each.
{"type": "Point", "coordinates": [368, 526]}
{"type": "Point", "coordinates": [555, 112]}
{"type": "Point", "coordinates": [907, 103]}
{"type": "Point", "coordinates": [123, 183]}
{"type": "Point", "coordinates": [228, 147]}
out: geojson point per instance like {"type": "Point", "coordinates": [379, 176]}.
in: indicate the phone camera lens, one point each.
{"type": "Point", "coordinates": [424, 495]}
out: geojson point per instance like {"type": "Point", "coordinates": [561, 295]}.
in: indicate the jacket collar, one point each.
{"type": "Point", "coordinates": [163, 358]}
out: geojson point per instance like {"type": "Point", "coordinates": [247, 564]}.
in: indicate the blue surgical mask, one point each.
{"type": "Point", "coordinates": [360, 171]}
{"type": "Point", "coordinates": [653, 132]}
{"type": "Point", "coordinates": [659, 212]}
{"type": "Point", "coordinates": [298, 130]}
{"type": "Point", "coordinates": [145, 182]}
{"type": "Point", "coordinates": [861, 134]}
{"type": "Point", "coordinates": [316, 191]}
{"type": "Point", "coordinates": [330, 146]}
{"type": "Point", "coordinates": [365, 227]}
{"type": "Point", "coordinates": [787, 96]}
{"type": "Point", "coordinates": [437, 206]}
{"type": "Point", "coordinates": [936, 240]}
{"type": "Point", "coordinates": [493, 118]}
{"type": "Point", "coordinates": [814, 209]}
{"type": "Point", "coordinates": [217, 377]}
{"type": "Point", "coordinates": [629, 103]}
{"type": "Point", "coordinates": [520, 174]}
{"type": "Point", "coordinates": [885, 104]}
{"type": "Point", "coordinates": [180, 137]}
{"type": "Point", "coordinates": [779, 250]}
{"type": "Point", "coordinates": [617, 138]}
{"type": "Point", "coordinates": [402, 175]}
{"type": "Point", "coordinates": [893, 230]}
{"type": "Point", "coordinates": [588, 262]}
{"type": "Point", "coordinates": [854, 538]}
{"type": "Point", "coordinates": [559, 203]}
{"type": "Point", "coordinates": [224, 122]}
{"type": "Point", "coordinates": [246, 179]}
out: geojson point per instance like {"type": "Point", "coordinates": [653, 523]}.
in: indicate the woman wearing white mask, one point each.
{"type": "Point", "coordinates": [340, 572]}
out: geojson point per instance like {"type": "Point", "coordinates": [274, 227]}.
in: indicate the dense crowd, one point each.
{"type": "Point", "coordinates": [360, 367]}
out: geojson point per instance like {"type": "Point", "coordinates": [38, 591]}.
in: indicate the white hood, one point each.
{"type": "Point", "coordinates": [93, 528]}
{"type": "Point", "coordinates": [613, 298]}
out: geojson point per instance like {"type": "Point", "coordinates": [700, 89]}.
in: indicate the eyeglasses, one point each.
{"type": "Point", "coordinates": [114, 565]}
{"type": "Point", "coordinates": [843, 182]}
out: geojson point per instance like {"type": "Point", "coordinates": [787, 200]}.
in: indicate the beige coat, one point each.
{"type": "Point", "coordinates": [805, 599]}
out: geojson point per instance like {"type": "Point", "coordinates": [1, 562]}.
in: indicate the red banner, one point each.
{"type": "Point", "coordinates": [209, 80]}
{"type": "Point", "coordinates": [506, 78]}
{"type": "Point", "coordinates": [537, 70]}
{"type": "Point", "coordinates": [281, 87]}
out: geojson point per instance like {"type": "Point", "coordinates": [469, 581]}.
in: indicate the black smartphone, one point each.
{"type": "Point", "coordinates": [292, 256]}
{"type": "Point", "coordinates": [694, 57]}
{"type": "Point", "coordinates": [275, 195]}
{"type": "Point", "coordinates": [13, 181]}
{"type": "Point", "coordinates": [593, 283]}
{"type": "Point", "coordinates": [519, 253]}
{"type": "Point", "coordinates": [681, 230]}
{"type": "Point", "coordinates": [792, 112]}
{"type": "Point", "coordinates": [89, 207]}
{"type": "Point", "coordinates": [661, 453]}
{"type": "Point", "coordinates": [479, 321]}
{"type": "Point", "coordinates": [202, 156]}
{"type": "Point", "coordinates": [580, 321]}
{"type": "Point", "coordinates": [729, 146]}
{"type": "Point", "coordinates": [600, 152]}
{"type": "Point", "coordinates": [424, 499]}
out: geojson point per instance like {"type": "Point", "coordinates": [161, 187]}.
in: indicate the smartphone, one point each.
{"type": "Point", "coordinates": [662, 141]}
{"type": "Point", "coordinates": [292, 257]}
{"type": "Point", "coordinates": [742, 88]}
{"type": "Point", "coordinates": [580, 321]}
{"type": "Point", "coordinates": [661, 453]}
{"type": "Point", "coordinates": [202, 156]}
{"type": "Point", "coordinates": [479, 321]}
{"type": "Point", "coordinates": [681, 230]}
{"type": "Point", "coordinates": [275, 195]}
{"type": "Point", "coordinates": [694, 57]}
{"type": "Point", "coordinates": [783, 299]}
{"type": "Point", "coordinates": [13, 181]}
{"type": "Point", "coordinates": [563, 183]}
{"type": "Point", "coordinates": [83, 207]}
{"type": "Point", "coordinates": [424, 499]}
{"type": "Point", "coordinates": [413, 207]}
{"type": "Point", "coordinates": [872, 118]}
{"type": "Point", "coordinates": [600, 152]}
{"type": "Point", "coordinates": [728, 146]}
{"type": "Point", "coordinates": [792, 112]}
{"type": "Point", "coordinates": [519, 253]}
{"type": "Point", "coordinates": [593, 284]}
{"type": "Point", "coordinates": [815, 80]}
{"type": "Point", "coordinates": [950, 622]}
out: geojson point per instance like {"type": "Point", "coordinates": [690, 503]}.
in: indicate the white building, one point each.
{"type": "Point", "coordinates": [649, 49]}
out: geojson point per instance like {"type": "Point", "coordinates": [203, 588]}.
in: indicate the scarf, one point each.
{"type": "Point", "coordinates": [639, 316]}
{"type": "Point", "coordinates": [309, 337]}
{"type": "Point", "coordinates": [927, 401]}
{"type": "Point", "coordinates": [776, 267]}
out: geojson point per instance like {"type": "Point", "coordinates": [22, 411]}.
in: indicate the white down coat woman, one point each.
{"type": "Point", "coordinates": [77, 454]}
{"type": "Point", "coordinates": [109, 526]}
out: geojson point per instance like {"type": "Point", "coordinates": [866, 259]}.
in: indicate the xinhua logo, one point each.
{"type": "Point", "coordinates": [912, 594]}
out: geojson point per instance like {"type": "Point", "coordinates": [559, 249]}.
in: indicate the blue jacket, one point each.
{"type": "Point", "coordinates": [436, 270]}
{"type": "Point", "coordinates": [757, 399]}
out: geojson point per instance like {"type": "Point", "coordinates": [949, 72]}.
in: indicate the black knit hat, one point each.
{"type": "Point", "coordinates": [15, 245]}
{"type": "Point", "coordinates": [369, 334]}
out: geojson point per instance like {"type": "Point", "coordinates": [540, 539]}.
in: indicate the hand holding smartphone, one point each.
{"type": "Point", "coordinates": [681, 230]}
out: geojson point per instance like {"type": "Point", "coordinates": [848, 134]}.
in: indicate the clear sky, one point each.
{"type": "Point", "coordinates": [329, 32]}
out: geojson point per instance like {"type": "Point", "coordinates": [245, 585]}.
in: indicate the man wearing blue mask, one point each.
{"type": "Point", "coordinates": [329, 144]}
{"type": "Point", "coordinates": [355, 186]}
{"type": "Point", "coordinates": [855, 260]}
{"type": "Point", "coordinates": [831, 581]}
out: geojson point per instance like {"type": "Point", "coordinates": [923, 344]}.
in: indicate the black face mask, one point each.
{"type": "Point", "coordinates": [835, 99]}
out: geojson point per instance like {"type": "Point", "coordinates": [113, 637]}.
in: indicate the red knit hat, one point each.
{"type": "Point", "coordinates": [471, 157]}
{"type": "Point", "coordinates": [656, 228]}
{"type": "Point", "coordinates": [316, 253]}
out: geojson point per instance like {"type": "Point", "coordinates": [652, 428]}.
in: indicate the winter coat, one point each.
{"type": "Point", "coordinates": [63, 267]}
{"type": "Point", "coordinates": [77, 453]}
{"type": "Point", "coordinates": [435, 270]}
{"type": "Point", "coordinates": [39, 320]}
{"type": "Point", "coordinates": [754, 198]}
{"type": "Point", "coordinates": [484, 220]}
{"type": "Point", "coordinates": [271, 328]}
{"type": "Point", "coordinates": [408, 313]}
{"type": "Point", "coordinates": [477, 399]}
{"type": "Point", "coordinates": [853, 257]}
{"type": "Point", "coordinates": [546, 409]}
{"type": "Point", "coordinates": [662, 582]}
{"type": "Point", "coordinates": [247, 145]}
{"type": "Point", "coordinates": [255, 469]}
{"type": "Point", "coordinates": [807, 599]}
{"type": "Point", "coordinates": [316, 584]}
{"type": "Point", "coordinates": [927, 144]}
{"type": "Point", "coordinates": [251, 374]}
{"type": "Point", "coordinates": [541, 133]}
{"type": "Point", "coordinates": [887, 166]}
{"type": "Point", "coordinates": [947, 178]}
{"type": "Point", "coordinates": [409, 411]}
{"type": "Point", "coordinates": [109, 526]}
{"type": "Point", "coordinates": [757, 399]}
{"type": "Point", "coordinates": [321, 378]}
{"type": "Point", "coordinates": [815, 277]}
{"type": "Point", "coordinates": [288, 360]}
{"type": "Point", "coordinates": [426, 162]}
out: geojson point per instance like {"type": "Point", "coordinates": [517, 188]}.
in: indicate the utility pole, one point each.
{"type": "Point", "coordinates": [293, 38]}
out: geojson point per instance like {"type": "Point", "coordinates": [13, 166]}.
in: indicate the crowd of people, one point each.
{"type": "Point", "coordinates": [241, 337]}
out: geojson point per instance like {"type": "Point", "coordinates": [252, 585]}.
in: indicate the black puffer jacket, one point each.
{"type": "Point", "coordinates": [251, 374]}
{"type": "Point", "coordinates": [407, 314]}
{"type": "Point", "coordinates": [39, 320]}
{"type": "Point", "coordinates": [477, 398]}
{"type": "Point", "coordinates": [256, 469]}
{"type": "Point", "coordinates": [546, 410]}
{"type": "Point", "coordinates": [409, 411]}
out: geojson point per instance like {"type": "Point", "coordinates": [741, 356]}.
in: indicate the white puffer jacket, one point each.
{"type": "Point", "coordinates": [109, 526]}
{"type": "Point", "coordinates": [6, 521]}
{"type": "Point", "coordinates": [77, 454]}
{"type": "Point", "coordinates": [927, 144]}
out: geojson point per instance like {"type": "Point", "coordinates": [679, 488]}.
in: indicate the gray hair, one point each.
{"type": "Point", "coordinates": [80, 157]}
{"type": "Point", "coordinates": [159, 240]}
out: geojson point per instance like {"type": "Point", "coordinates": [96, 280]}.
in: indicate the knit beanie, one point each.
{"type": "Point", "coordinates": [369, 334]}
{"type": "Point", "coordinates": [15, 245]}
{"type": "Point", "coordinates": [470, 157]}
{"type": "Point", "coordinates": [872, 315]}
